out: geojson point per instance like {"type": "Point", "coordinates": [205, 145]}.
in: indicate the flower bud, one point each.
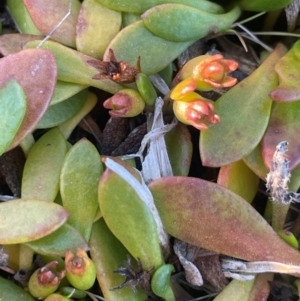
{"type": "Point", "coordinates": [81, 270]}
{"type": "Point", "coordinates": [56, 297]}
{"type": "Point", "coordinates": [209, 72]}
{"type": "Point", "coordinates": [198, 113]}
{"type": "Point", "coordinates": [126, 103]}
{"type": "Point", "coordinates": [45, 281]}
{"type": "Point", "coordinates": [184, 90]}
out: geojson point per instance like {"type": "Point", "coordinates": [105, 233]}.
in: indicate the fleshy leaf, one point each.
{"type": "Point", "coordinates": [96, 27]}
{"type": "Point", "coordinates": [238, 132]}
{"type": "Point", "coordinates": [12, 291]}
{"type": "Point", "coordinates": [255, 162]}
{"type": "Point", "coordinates": [142, 5]}
{"type": "Point", "coordinates": [27, 67]}
{"type": "Point", "coordinates": [289, 76]}
{"type": "Point", "coordinates": [240, 179]}
{"type": "Point", "coordinates": [14, 42]}
{"type": "Point", "coordinates": [67, 127]}
{"type": "Point", "coordinates": [284, 125]}
{"type": "Point", "coordinates": [21, 17]}
{"type": "Point", "coordinates": [208, 215]}
{"type": "Point", "coordinates": [155, 52]}
{"type": "Point", "coordinates": [80, 174]}
{"type": "Point", "coordinates": [12, 112]}
{"type": "Point", "coordinates": [109, 254]}
{"type": "Point", "coordinates": [72, 67]}
{"type": "Point", "coordinates": [129, 219]}
{"type": "Point", "coordinates": [161, 284]}
{"type": "Point", "coordinates": [64, 239]}
{"type": "Point", "coordinates": [41, 173]}
{"type": "Point", "coordinates": [63, 111]}
{"type": "Point", "coordinates": [65, 90]}
{"type": "Point", "coordinates": [27, 220]}
{"type": "Point", "coordinates": [46, 16]}
{"type": "Point", "coordinates": [266, 5]}
{"type": "Point", "coordinates": [180, 23]}
{"type": "Point", "coordinates": [236, 291]}
{"type": "Point", "coordinates": [180, 149]}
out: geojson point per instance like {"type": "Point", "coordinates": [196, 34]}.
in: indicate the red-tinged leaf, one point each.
{"type": "Point", "coordinates": [288, 72]}
{"type": "Point", "coordinates": [14, 42]}
{"type": "Point", "coordinates": [209, 216]}
{"type": "Point", "coordinates": [35, 70]}
{"type": "Point", "coordinates": [27, 220]}
{"type": "Point", "coordinates": [96, 27]}
{"type": "Point", "coordinates": [284, 125]}
{"type": "Point", "coordinates": [47, 14]}
{"type": "Point", "coordinates": [239, 132]}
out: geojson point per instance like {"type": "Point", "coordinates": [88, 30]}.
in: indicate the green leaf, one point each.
{"type": "Point", "coordinates": [109, 254]}
{"type": "Point", "coordinates": [239, 132]}
{"type": "Point", "coordinates": [284, 125]}
{"type": "Point", "coordinates": [96, 27]}
{"type": "Point", "coordinates": [27, 220]}
{"type": "Point", "coordinates": [63, 111]}
{"type": "Point", "coordinates": [180, 23]}
{"type": "Point", "coordinates": [180, 149]}
{"type": "Point", "coordinates": [236, 291]}
{"type": "Point", "coordinates": [129, 218]}
{"type": "Point", "coordinates": [208, 215]}
{"type": "Point", "coordinates": [21, 17]}
{"type": "Point", "coordinates": [265, 5]}
{"type": "Point", "coordinates": [47, 15]}
{"type": "Point", "coordinates": [161, 282]}
{"type": "Point", "coordinates": [72, 67]}
{"type": "Point", "coordinates": [240, 179]}
{"type": "Point", "coordinates": [139, 6]}
{"type": "Point", "coordinates": [64, 90]}
{"type": "Point", "coordinates": [136, 40]}
{"type": "Point", "coordinates": [80, 174]}
{"type": "Point", "coordinates": [10, 291]}
{"type": "Point", "coordinates": [255, 162]}
{"type": "Point", "coordinates": [67, 127]}
{"type": "Point", "coordinates": [12, 112]}
{"type": "Point", "coordinates": [64, 239]}
{"type": "Point", "coordinates": [35, 70]}
{"type": "Point", "coordinates": [41, 173]}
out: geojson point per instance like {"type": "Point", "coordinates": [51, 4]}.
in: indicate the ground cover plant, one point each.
{"type": "Point", "coordinates": [149, 150]}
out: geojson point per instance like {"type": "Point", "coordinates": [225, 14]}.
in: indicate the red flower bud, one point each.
{"type": "Point", "coordinates": [126, 103]}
